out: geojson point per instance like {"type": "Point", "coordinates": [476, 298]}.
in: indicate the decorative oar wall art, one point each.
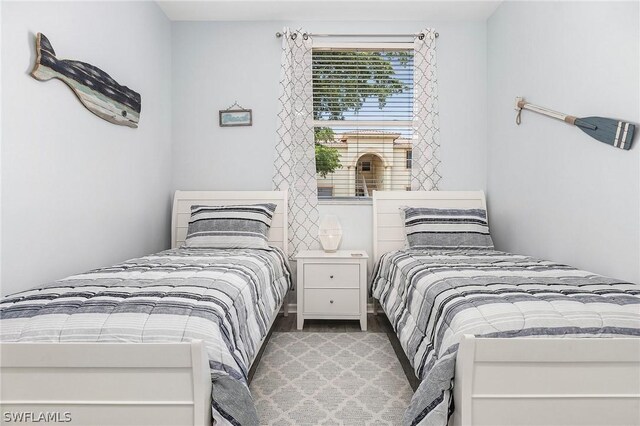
{"type": "Point", "coordinates": [613, 132]}
{"type": "Point", "coordinates": [95, 88]}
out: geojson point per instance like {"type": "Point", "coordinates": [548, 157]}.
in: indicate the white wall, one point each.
{"type": "Point", "coordinates": [553, 191]}
{"type": "Point", "coordinates": [1, 152]}
{"type": "Point", "coordinates": [218, 63]}
{"type": "Point", "coordinates": [79, 192]}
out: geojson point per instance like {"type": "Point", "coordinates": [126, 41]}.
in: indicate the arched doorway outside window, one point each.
{"type": "Point", "coordinates": [369, 174]}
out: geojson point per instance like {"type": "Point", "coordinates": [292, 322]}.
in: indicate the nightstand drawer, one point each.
{"type": "Point", "coordinates": [332, 301]}
{"type": "Point", "coordinates": [331, 275]}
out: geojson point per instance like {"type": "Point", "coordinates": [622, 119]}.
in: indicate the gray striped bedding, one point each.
{"type": "Point", "coordinates": [433, 297]}
{"type": "Point", "coordinates": [434, 228]}
{"type": "Point", "coordinates": [242, 226]}
{"type": "Point", "coordinates": [227, 298]}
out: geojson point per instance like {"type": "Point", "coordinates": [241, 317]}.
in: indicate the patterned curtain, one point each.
{"type": "Point", "coordinates": [426, 129]}
{"type": "Point", "coordinates": [295, 163]}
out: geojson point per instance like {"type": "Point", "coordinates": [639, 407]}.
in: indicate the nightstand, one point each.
{"type": "Point", "coordinates": [332, 285]}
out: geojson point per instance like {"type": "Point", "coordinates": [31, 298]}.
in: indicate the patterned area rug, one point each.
{"type": "Point", "coordinates": [330, 379]}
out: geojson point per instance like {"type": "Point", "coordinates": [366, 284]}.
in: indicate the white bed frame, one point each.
{"type": "Point", "coordinates": [525, 381]}
{"type": "Point", "coordinates": [124, 383]}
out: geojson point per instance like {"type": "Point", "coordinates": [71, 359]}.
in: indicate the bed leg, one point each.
{"type": "Point", "coordinates": [375, 306]}
{"type": "Point", "coordinates": [286, 305]}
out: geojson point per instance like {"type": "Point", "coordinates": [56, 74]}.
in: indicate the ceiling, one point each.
{"type": "Point", "coordinates": [327, 10]}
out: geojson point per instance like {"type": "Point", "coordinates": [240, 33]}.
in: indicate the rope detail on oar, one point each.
{"type": "Point", "coordinates": [612, 132]}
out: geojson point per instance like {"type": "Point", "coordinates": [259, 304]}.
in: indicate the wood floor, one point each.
{"type": "Point", "coordinates": [375, 324]}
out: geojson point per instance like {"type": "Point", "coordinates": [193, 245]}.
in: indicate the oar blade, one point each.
{"type": "Point", "coordinates": [613, 132]}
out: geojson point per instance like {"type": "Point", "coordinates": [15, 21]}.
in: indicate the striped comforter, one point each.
{"type": "Point", "coordinates": [434, 297]}
{"type": "Point", "coordinates": [227, 298]}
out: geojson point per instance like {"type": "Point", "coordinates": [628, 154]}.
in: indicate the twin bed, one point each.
{"type": "Point", "coordinates": [531, 361]}
{"type": "Point", "coordinates": [170, 338]}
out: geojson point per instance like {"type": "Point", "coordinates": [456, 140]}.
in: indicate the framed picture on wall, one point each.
{"type": "Point", "coordinates": [235, 117]}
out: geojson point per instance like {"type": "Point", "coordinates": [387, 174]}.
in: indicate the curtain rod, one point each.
{"type": "Point", "coordinates": [307, 35]}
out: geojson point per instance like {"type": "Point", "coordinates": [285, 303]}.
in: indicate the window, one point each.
{"type": "Point", "coordinates": [325, 191]}
{"type": "Point", "coordinates": [362, 111]}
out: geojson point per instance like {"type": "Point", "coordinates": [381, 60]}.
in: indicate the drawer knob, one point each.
{"type": "Point", "coordinates": [331, 276]}
{"type": "Point", "coordinates": [330, 301]}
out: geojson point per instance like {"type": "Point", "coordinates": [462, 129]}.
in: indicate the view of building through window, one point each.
{"type": "Point", "coordinates": [363, 107]}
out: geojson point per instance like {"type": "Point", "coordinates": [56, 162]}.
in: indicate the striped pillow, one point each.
{"type": "Point", "coordinates": [230, 226]}
{"type": "Point", "coordinates": [446, 228]}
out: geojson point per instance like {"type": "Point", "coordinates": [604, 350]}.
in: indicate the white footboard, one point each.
{"type": "Point", "coordinates": [547, 381]}
{"type": "Point", "coordinates": [105, 383]}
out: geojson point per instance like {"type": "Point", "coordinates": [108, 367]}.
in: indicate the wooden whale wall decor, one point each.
{"type": "Point", "coordinates": [97, 91]}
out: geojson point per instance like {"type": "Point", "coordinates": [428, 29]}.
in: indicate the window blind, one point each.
{"type": "Point", "coordinates": [362, 111]}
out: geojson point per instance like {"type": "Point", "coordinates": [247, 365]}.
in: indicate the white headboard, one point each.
{"type": "Point", "coordinates": [183, 200]}
{"type": "Point", "coordinates": [388, 229]}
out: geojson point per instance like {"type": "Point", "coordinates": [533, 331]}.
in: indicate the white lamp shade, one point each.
{"type": "Point", "coordinates": [330, 233]}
